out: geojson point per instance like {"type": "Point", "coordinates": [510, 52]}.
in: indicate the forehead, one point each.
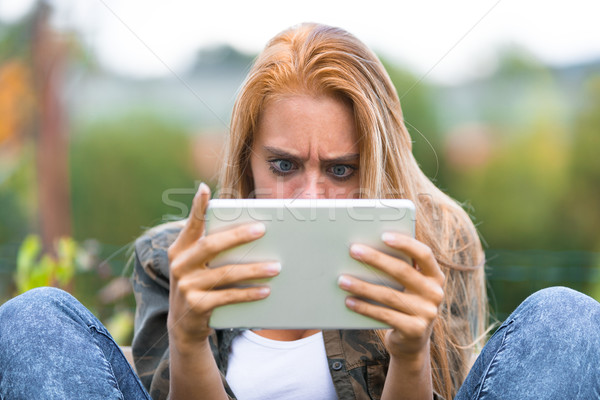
{"type": "Point", "coordinates": [308, 124]}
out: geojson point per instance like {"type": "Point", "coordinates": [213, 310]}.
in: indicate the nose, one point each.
{"type": "Point", "coordinates": [315, 187]}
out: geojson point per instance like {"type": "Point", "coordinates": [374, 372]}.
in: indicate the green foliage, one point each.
{"type": "Point", "coordinates": [119, 172]}
{"type": "Point", "coordinates": [516, 61]}
{"type": "Point", "coordinates": [14, 224]}
{"type": "Point", "coordinates": [595, 287]}
{"type": "Point", "coordinates": [17, 197]}
{"type": "Point", "coordinates": [581, 203]}
{"type": "Point", "coordinates": [518, 192]}
{"type": "Point", "coordinates": [120, 326]}
{"type": "Point", "coordinates": [521, 192]}
{"type": "Point", "coordinates": [420, 119]}
{"type": "Point", "coordinates": [36, 270]}
{"type": "Point", "coordinates": [15, 38]}
{"type": "Point", "coordinates": [77, 270]}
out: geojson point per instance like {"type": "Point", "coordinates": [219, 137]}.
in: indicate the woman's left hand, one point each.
{"type": "Point", "coordinates": [412, 312]}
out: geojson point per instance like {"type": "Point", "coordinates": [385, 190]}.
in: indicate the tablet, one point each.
{"type": "Point", "coordinates": [311, 239]}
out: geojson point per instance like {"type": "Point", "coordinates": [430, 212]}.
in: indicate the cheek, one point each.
{"type": "Point", "coordinates": [269, 186]}
{"type": "Point", "coordinates": [354, 193]}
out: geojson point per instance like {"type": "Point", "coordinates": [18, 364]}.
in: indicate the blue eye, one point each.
{"type": "Point", "coordinates": [341, 171]}
{"type": "Point", "coordinates": [284, 165]}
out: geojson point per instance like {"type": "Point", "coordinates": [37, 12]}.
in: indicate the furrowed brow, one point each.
{"type": "Point", "coordinates": [346, 158]}
{"type": "Point", "coordinates": [281, 153]}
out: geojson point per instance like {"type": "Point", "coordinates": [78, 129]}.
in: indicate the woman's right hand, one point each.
{"type": "Point", "coordinates": [195, 289]}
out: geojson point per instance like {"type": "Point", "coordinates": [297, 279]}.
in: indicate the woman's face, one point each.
{"type": "Point", "coordinates": [305, 147]}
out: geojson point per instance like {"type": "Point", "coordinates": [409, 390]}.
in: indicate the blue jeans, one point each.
{"type": "Point", "coordinates": [51, 347]}
{"type": "Point", "coordinates": [548, 348]}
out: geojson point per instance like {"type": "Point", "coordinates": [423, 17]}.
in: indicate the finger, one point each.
{"type": "Point", "coordinates": [410, 326]}
{"type": "Point", "coordinates": [406, 303]}
{"type": "Point", "coordinates": [194, 227]}
{"type": "Point", "coordinates": [203, 250]}
{"type": "Point", "coordinates": [206, 301]}
{"type": "Point", "coordinates": [208, 247]}
{"type": "Point", "coordinates": [416, 250]}
{"type": "Point", "coordinates": [398, 269]}
{"type": "Point", "coordinates": [227, 275]}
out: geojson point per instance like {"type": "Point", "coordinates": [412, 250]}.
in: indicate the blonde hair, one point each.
{"type": "Point", "coordinates": [322, 60]}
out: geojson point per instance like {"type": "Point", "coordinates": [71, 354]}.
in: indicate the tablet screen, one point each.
{"type": "Point", "coordinates": [311, 240]}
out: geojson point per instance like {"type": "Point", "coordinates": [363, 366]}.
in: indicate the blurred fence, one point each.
{"type": "Point", "coordinates": [514, 275]}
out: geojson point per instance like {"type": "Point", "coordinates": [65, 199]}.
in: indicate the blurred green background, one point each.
{"type": "Point", "coordinates": [89, 159]}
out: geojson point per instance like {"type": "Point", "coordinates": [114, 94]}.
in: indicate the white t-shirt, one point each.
{"type": "Point", "coordinates": [265, 369]}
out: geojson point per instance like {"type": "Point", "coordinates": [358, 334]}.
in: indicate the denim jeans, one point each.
{"type": "Point", "coordinates": [548, 348]}
{"type": "Point", "coordinates": [51, 347]}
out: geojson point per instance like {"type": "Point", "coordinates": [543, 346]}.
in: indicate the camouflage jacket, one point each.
{"type": "Point", "coordinates": [357, 359]}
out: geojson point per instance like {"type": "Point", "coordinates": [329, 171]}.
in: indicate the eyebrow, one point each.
{"type": "Point", "coordinates": [351, 157]}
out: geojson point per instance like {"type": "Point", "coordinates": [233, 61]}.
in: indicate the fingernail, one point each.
{"type": "Point", "coordinates": [344, 282]}
{"type": "Point", "coordinates": [350, 302]}
{"type": "Point", "coordinates": [203, 188]}
{"type": "Point", "coordinates": [357, 250]}
{"type": "Point", "coordinates": [273, 268]}
{"type": "Point", "coordinates": [264, 291]}
{"type": "Point", "coordinates": [388, 237]}
{"type": "Point", "coordinates": [257, 229]}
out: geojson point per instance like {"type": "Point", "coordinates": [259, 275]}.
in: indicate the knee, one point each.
{"type": "Point", "coordinates": [38, 298]}
{"type": "Point", "coordinates": [43, 295]}
{"type": "Point", "coordinates": [561, 299]}
{"type": "Point", "coordinates": [560, 309]}
{"type": "Point", "coordinates": [34, 306]}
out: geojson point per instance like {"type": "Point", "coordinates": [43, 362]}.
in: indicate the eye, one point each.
{"type": "Point", "coordinates": [281, 167]}
{"type": "Point", "coordinates": [341, 171]}
{"type": "Point", "coordinates": [284, 165]}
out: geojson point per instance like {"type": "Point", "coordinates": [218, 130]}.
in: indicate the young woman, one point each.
{"type": "Point", "coordinates": [317, 117]}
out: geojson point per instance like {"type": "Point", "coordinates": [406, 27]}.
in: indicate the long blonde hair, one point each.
{"type": "Point", "coordinates": [323, 60]}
